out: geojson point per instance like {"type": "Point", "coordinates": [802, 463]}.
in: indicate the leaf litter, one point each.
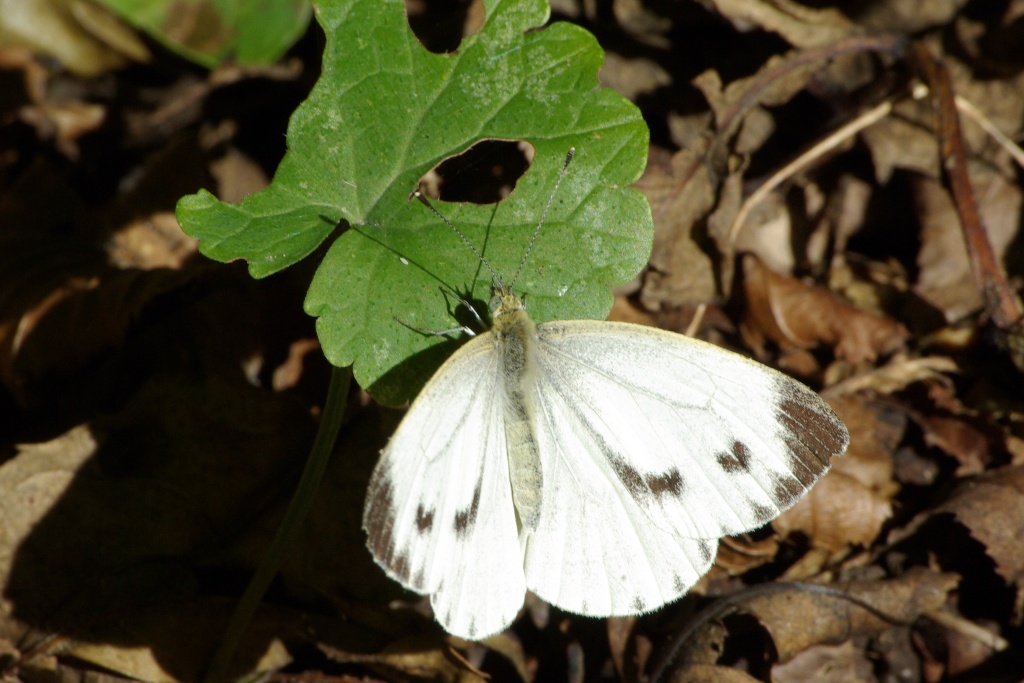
{"type": "Point", "coordinates": [157, 409]}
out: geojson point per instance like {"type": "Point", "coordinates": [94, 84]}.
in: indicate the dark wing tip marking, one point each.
{"type": "Point", "coordinates": [813, 435]}
{"type": "Point", "coordinates": [813, 431]}
{"type": "Point", "coordinates": [379, 522]}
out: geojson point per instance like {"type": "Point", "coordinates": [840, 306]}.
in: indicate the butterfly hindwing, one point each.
{"type": "Point", "coordinates": [439, 511]}
{"type": "Point", "coordinates": [594, 551]}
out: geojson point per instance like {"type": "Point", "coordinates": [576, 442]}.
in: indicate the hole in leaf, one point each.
{"type": "Point", "coordinates": [485, 173]}
{"type": "Point", "coordinates": [440, 25]}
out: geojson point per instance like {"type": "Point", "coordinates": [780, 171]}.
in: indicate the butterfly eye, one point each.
{"type": "Point", "coordinates": [495, 304]}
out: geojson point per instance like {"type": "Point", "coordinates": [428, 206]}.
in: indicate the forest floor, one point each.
{"type": "Point", "coordinates": [836, 192]}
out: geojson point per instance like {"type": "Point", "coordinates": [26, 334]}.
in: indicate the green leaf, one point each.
{"type": "Point", "coordinates": [209, 32]}
{"type": "Point", "coordinates": [383, 113]}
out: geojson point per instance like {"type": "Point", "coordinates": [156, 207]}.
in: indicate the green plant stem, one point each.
{"type": "Point", "coordinates": [298, 508]}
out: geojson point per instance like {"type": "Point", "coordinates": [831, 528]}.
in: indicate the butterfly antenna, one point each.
{"type": "Point", "coordinates": [423, 200]}
{"type": "Point", "coordinates": [543, 214]}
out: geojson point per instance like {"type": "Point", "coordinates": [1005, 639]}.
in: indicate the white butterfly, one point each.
{"type": "Point", "coordinates": [594, 463]}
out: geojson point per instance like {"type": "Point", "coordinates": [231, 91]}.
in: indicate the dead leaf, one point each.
{"type": "Point", "coordinates": [991, 506]}
{"type": "Point", "coordinates": [876, 429]}
{"type": "Point", "coordinates": [797, 316]}
{"type": "Point", "coordinates": [419, 658]}
{"type": "Point", "coordinates": [798, 24]}
{"type": "Point", "coordinates": [633, 77]}
{"type": "Point", "coordinates": [739, 555]}
{"type": "Point", "coordinates": [710, 673]}
{"type": "Point", "coordinates": [88, 40]}
{"type": "Point", "coordinates": [152, 242]}
{"type": "Point", "coordinates": [945, 279]}
{"type": "Point", "coordinates": [838, 512]}
{"type": "Point", "coordinates": [896, 375]}
{"type": "Point", "coordinates": [798, 619]}
{"type": "Point", "coordinates": [843, 663]}
{"type": "Point", "coordinates": [680, 271]}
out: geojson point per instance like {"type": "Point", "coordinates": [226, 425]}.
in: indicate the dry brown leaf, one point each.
{"type": "Point", "coordinates": [966, 651]}
{"type": "Point", "coordinates": [767, 234]}
{"type": "Point", "coordinates": [509, 647]}
{"type": "Point", "coordinates": [733, 102]}
{"type": "Point", "coordinates": [45, 105]}
{"type": "Point", "coordinates": [876, 428]}
{"type": "Point", "coordinates": [843, 663]}
{"type": "Point", "coordinates": [908, 16]}
{"type": "Point", "coordinates": [896, 375]}
{"type": "Point", "coordinates": [155, 241]}
{"type": "Point", "coordinates": [633, 77]}
{"type": "Point", "coordinates": [991, 506]}
{"type": "Point", "coordinates": [945, 280]}
{"type": "Point", "coordinates": [89, 40]}
{"type": "Point", "coordinates": [739, 555]}
{"type": "Point", "coordinates": [680, 271]}
{"type": "Point", "coordinates": [797, 618]}
{"type": "Point", "coordinates": [710, 673]}
{"type": "Point", "coordinates": [961, 432]}
{"type": "Point", "coordinates": [794, 316]}
{"type": "Point", "coordinates": [798, 24]}
{"type": "Point", "coordinates": [955, 436]}
{"type": "Point", "coordinates": [421, 658]}
{"type": "Point", "coordinates": [637, 18]}
{"type": "Point", "coordinates": [237, 176]}
{"type": "Point", "coordinates": [64, 122]}
{"type": "Point", "coordinates": [903, 140]}
{"type": "Point", "coordinates": [627, 662]}
{"type": "Point", "coordinates": [838, 512]}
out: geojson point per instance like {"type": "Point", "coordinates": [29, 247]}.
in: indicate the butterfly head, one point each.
{"type": "Point", "coordinates": [504, 302]}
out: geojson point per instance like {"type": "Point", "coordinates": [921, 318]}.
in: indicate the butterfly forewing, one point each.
{"type": "Point", "coordinates": [439, 513]}
{"type": "Point", "coordinates": [707, 443]}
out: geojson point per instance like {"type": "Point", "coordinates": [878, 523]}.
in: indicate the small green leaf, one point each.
{"type": "Point", "coordinates": [209, 32]}
{"type": "Point", "coordinates": [383, 113]}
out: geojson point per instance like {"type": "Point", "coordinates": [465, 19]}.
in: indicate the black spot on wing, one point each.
{"type": "Point", "coordinates": [640, 485]}
{"type": "Point", "coordinates": [787, 491]}
{"type": "Point", "coordinates": [638, 604]}
{"type": "Point", "coordinates": [424, 519]}
{"type": "Point", "coordinates": [763, 512]}
{"type": "Point", "coordinates": [466, 519]}
{"type": "Point", "coordinates": [737, 461]}
{"type": "Point", "coordinates": [669, 483]}
{"type": "Point", "coordinates": [705, 550]}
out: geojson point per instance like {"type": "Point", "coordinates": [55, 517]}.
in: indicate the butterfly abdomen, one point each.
{"type": "Point", "coordinates": [515, 339]}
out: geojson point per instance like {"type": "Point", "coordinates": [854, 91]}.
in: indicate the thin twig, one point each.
{"type": "Point", "coordinates": [989, 278]}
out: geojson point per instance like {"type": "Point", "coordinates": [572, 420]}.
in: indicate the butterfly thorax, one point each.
{"type": "Point", "coordinates": [515, 339]}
